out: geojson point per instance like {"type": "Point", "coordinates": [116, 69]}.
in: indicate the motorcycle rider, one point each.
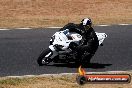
{"type": "Point", "coordinates": [89, 43]}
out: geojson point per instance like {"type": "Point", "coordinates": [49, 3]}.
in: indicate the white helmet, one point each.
{"type": "Point", "coordinates": [86, 21]}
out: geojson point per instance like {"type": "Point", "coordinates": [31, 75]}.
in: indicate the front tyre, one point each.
{"type": "Point", "coordinates": [44, 57]}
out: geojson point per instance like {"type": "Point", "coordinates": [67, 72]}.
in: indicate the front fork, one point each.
{"type": "Point", "coordinates": [54, 52]}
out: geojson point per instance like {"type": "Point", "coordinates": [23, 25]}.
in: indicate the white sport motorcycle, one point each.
{"type": "Point", "coordinates": [59, 50]}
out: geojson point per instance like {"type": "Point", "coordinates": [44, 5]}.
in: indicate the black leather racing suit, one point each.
{"type": "Point", "coordinates": [90, 41]}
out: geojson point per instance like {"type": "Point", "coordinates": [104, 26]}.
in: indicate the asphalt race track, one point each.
{"type": "Point", "coordinates": [19, 50]}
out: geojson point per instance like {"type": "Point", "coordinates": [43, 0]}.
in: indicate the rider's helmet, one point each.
{"type": "Point", "coordinates": [87, 23]}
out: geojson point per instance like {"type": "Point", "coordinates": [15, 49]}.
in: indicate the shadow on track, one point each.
{"type": "Point", "coordinates": [90, 65]}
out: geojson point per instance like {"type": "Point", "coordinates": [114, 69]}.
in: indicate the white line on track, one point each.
{"type": "Point", "coordinates": [61, 27]}
{"type": "Point", "coordinates": [4, 29]}
{"type": "Point", "coordinates": [23, 28]}
{"type": "Point", "coordinates": [103, 25]}
{"type": "Point", "coordinates": [124, 24]}
{"type": "Point", "coordinates": [61, 74]}
{"type": "Point", "coordinates": [54, 27]}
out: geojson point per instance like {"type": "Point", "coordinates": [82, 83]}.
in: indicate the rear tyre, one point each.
{"type": "Point", "coordinates": [86, 58]}
{"type": "Point", "coordinates": [42, 60]}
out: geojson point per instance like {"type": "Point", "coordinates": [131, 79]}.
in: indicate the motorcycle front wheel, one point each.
{"type": "Point", "coordinates": [44, 57]}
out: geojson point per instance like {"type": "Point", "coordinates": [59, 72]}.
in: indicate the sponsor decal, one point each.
{"type": "Point", "coordinates": [83, 78]}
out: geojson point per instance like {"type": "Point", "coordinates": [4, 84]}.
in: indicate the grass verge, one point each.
{"type": "Point", "coordinates": [45, 13]}
{"type": "Point", "coordinates": [55, 81]}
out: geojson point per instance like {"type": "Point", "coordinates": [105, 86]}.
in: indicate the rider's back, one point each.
{"type": "Point", "coordinates": [72, 28]}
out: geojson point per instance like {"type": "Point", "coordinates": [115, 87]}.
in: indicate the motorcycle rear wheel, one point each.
{"type": "Point", "coordinates": [42, 60]}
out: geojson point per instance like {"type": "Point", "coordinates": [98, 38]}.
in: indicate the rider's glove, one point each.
{"type": "Point", "coordinates": [73, 46]}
